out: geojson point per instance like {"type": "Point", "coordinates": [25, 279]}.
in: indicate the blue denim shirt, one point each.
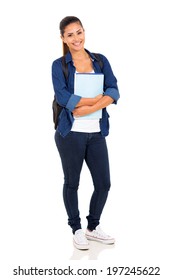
{"type": "Point", "coordinates": [64, 91]}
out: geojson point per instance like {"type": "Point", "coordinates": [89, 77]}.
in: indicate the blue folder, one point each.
{"type": "Point", "coordinates": [89, 85]}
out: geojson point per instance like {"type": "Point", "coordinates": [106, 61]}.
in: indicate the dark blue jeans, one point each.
{"type": "Point", "coordinates": [74, 149]}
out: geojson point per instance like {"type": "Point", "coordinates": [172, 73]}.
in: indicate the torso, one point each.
{"type": "Point", "coordinates": [83, 65]}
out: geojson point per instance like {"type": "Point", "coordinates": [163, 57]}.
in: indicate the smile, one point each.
{"type": "Point", "coordinates": [77, 44]}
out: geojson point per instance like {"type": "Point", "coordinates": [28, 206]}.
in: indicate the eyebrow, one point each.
{"type": "Point", "coordinates": [75, 31]}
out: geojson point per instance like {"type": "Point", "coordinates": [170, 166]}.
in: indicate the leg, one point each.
{"type": "Point", "coordinates": [72, 153]}
{"type": "Point", "coordinates": [98, 164]}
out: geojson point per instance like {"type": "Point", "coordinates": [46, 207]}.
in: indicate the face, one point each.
{"type": "Point", "coordinates": [74, 36]}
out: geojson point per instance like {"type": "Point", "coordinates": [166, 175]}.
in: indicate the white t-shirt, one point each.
{"type": "Point", "coordinates": [84, 125]}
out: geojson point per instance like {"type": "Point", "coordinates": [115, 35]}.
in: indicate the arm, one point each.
{"type": "Point", "coordinates": [88, 101]}
{"type": "Point", "coordinates": [111, 92]}
{"type": "Point", "coordinates": [63, 96]}
{"type": "Point", "coordinates": [88, 109]}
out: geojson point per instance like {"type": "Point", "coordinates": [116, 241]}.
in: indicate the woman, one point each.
{"type": "Point", "coordinates": [80, 140]}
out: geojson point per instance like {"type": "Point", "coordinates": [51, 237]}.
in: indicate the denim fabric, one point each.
{"type": "Point", "coordinates": [74, 149]}
{"type": "Point", "coordinates": [64, 91]}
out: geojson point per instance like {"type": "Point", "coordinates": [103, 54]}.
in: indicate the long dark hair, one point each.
{"type": "Point", "coordinates": [63, 23]}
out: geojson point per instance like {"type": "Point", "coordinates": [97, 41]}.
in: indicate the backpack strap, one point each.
{"type": "Point", "coordinates": [100, 62]}
{"type": "Point", "coordinates": [64, 67]}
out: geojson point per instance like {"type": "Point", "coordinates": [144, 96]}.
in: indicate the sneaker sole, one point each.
{"type": "Point", "coordinates": [81, 247]}
{"type": "Point", "coordinates": [108, 242]}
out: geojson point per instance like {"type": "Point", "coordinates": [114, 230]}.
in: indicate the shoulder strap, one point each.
{"type": "Point", "coordinates": [64, 67]}
{"type": "Point", "coordinates": [100, 62]}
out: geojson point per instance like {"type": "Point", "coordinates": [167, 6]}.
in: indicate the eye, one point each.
{"type": "Point", "coordinates": [69, 35]}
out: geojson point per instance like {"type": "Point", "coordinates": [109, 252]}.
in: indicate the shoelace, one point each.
{"type": "Point", "coordinates": [100, 233]}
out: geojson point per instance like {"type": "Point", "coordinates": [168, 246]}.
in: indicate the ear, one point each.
{"type": "Point", "coordinates": [62, 38]}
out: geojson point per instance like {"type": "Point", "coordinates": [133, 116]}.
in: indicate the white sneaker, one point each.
{"type": "Point", "coordinates": [99, 235]}
{"type": "Point", "coordinates": [80, 241]}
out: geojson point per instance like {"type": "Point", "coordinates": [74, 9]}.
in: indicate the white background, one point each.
{"type": "Point", "coordinates": [136, 38]}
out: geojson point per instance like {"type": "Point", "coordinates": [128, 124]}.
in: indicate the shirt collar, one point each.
{"type": "Point", "coordinates": [68, 56]}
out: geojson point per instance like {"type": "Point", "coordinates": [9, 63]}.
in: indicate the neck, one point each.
{"type": "Point", "coordinates": [78, 55]}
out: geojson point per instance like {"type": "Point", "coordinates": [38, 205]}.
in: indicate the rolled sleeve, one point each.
{"type": "Point", "coordinates": [112, 92]}
{"type": "Point", "coordinates": [72, 102]}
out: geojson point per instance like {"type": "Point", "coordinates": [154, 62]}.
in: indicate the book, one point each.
{"type": "Point", "coordinates": [89, 85]}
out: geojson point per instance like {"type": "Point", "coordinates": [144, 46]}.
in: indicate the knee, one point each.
{"type": "Point", "coordinates": [103, 186]}
{"type": "Point", "coordinates": [71, 186]}
{"type": "Point", "coordinates": [107, 186]}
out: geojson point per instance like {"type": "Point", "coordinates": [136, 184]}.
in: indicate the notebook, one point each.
{"type": "Point", "coordinates": [89, 85]}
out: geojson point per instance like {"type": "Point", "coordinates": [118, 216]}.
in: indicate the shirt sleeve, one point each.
{"type": "Point", "coordinates": [110, 81]}
{"type": "Point", "coordinates": [63, 97]}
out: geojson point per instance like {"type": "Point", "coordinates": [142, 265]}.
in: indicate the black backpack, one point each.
{"type": "Point", "coordinates": [55, 106]}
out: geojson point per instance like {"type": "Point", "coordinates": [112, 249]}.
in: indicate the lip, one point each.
{"type": "Point", "coordinates": [77, 44]}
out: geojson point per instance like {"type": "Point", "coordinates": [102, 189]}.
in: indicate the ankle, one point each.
{"type": "Point", "coordinates": [91, 229]}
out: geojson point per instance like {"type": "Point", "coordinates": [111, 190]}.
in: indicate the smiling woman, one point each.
{"type": "Point", "coordinates": [72, 31]}
{"type": "Point", "coordinates": [73, 37]}
{"type": "Point", "coordinates": [79, 139]}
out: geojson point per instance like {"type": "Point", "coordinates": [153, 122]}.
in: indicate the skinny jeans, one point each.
{"type": "Point", "coordinates": [74, 149]}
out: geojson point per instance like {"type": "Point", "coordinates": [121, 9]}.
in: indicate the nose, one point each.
{"type": "Point", "coordinates": [75, 37]}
